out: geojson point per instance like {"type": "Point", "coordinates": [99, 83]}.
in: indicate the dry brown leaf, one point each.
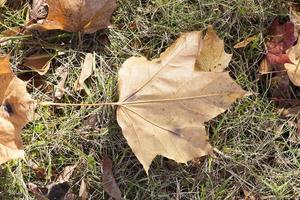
{"type": "Point", "coordinates": [264, 67]}
{"type": "Point", "coordinates": [295, 15]}
{"type": "Point", "coordinates": [66, 174]}
{"type": "Point", "coordinates": [293, 69]}
{"type": "Point", "coordinates": [245, 42]}
{"type": "Point", "coordinates": [164, 103]}
{"type": "Point", "coordinates": [63, 73]}
{"type": "Point", "coordinates": [38, 62]}
{"type": "Point", "coordinates": [16, 111]}
{"type": "Point", "coordinates": [211, 56]}
{"type": "Point", "coordinates": [57, 190]}
{"type": "Point", "coordinates": [85, 16]}
{"type": "Point", "coordinates": [2, 2]}
{"type": "Point", "coordinates": [109, 183]}
{"type": "Point", "coordinates": [86, 72]}
{"type": "Point", "coordinates": [83, 192]}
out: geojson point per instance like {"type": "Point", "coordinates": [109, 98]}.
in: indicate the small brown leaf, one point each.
{"type": "Point", "coordinates": [16, 110]}
{"type": "Point", "coordinates": [66, 174]}
{"type": "Point", "coordinates": [245, 42]}
{"type": "Point", "coordinates": [85, 16]}
{"type": "Point", "coordinates": [293, 69]}
{"type": "Point", "coordinates": [63, 73]}
{"type": "Point", "coordinates": [86, 72]}
{"type": "Point", "coordinates": [83, 192]}
{"type": "Point", "coordinates": [109, 183]}
{"type": "Point", "coordinates": [38, 62]}
{"type": "Point", "coordinates": [264, 67]}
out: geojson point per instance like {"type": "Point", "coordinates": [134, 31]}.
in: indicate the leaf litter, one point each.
{"type": "Point", "coordinates": [86, 16]}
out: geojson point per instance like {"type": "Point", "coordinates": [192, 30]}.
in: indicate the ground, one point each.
{"type": "Point", "coordinates": [260, 155]}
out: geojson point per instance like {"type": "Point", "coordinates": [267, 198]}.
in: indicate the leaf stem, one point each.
{"type": "Point", "coordinates": [78, 104]}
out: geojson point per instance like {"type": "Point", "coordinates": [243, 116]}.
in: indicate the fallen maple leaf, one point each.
{"type": "Point", "coordinates": [85, 16]}
{"type": "Point", "coordinates": [165, 102]}
{"type": "Point", "coordinates": [15, 112]}
{"type": "Point", "coordinates": [109, 182]}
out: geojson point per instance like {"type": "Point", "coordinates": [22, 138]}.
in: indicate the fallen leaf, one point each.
{"type": "Point", "coordinates": [66, 174]}
{"type": "Point", "coordinates": [245, 42]}
{"type": "Point", "coordinates": [63, 73]}
{"type": "Point", "coordinates": [86, 72]}
{"type": "Point", "coordinates": [264, 67]}
{"type": "Point", "coordinates": [293, 68]}
{"type": "Point", "coordinates": [211, 56]}
{"type": "Point", "coordinates": [16, 111]}
{"type": "Point", "coordinates": [40, 63]}
{"type": "Point", "coordinates": [109, 183]}
{"type": "Point", "coordinates": [294, 9]}
{"type": "Point", "coordinates": [39, 10]}
{"type": "Point", "coordinates": [281, 37]}
{"type": "Point", "coordinates": [2, 2]}
{"type": "Point", "coordinates": [57, 190]}
{"type": "Point", "coordinates": [164, 103]}
{"type": "Point", "coordinates": [83, 192]}
{"type": "Point", "coordinates": [85, 16]}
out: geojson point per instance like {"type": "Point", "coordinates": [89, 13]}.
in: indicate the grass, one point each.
{"type": "Point", "coordinates": [261, 151]}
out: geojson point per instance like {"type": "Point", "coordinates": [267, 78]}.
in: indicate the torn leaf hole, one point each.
{"type": "Point", "coordinates": [8, 108]}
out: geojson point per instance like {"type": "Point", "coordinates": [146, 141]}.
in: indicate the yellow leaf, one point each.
{"type": "Point", "coordinates": [165, 102]}
{"type": "Point", "coordinates": [16, 111]}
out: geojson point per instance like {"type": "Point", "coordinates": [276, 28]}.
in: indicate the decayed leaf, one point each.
{"type": "Point", "coordinates": [293, 69]}
{"type": "Point", "coordinates": [16, 111]}
{"type": "Point", "coordinates": [83, 192]}
{"type": "Point", "coordinates": [38, 62]}
{"type": "Point", "coordinates": [245, 42]}
{"type": "Point", "coordinates": [164, 103]}
{"type": "Point", "coordinates": [63, 73]}
{"type": "Point", "coordinates": [58, 190]}
{"type": "Point", "coordinates": [295, 15]}
{"type": "Point", "coordinates": [109, 183]}
{"type": "Point", "coordinates": [282, 37]}
{"type": "Point", "coordinates": [85, 16]}
{"type": "Point", "coordinates": [86, 71]}
{"type": "Point", "coordinates": [212, 56]}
